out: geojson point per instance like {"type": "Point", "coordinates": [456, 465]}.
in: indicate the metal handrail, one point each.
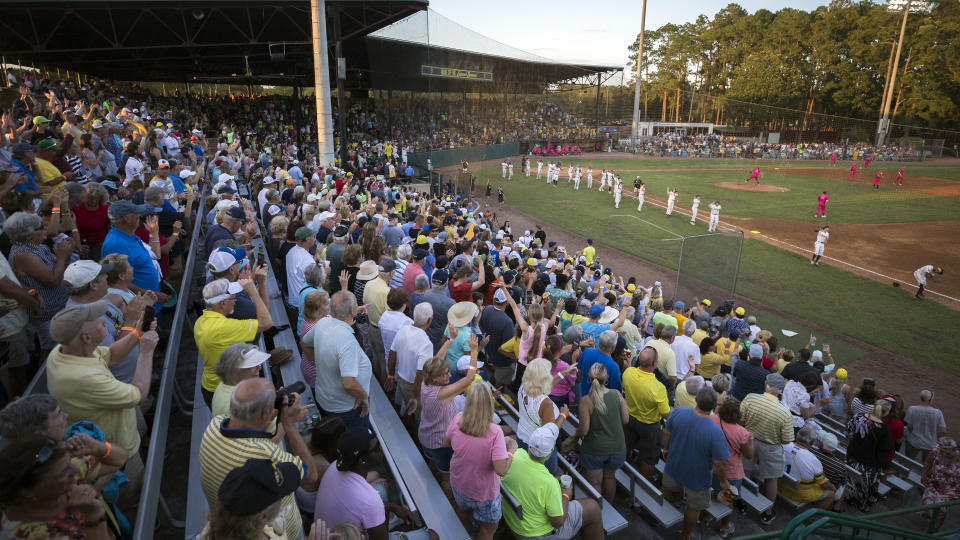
{"type": "Point", "coordinates": [153, 467]}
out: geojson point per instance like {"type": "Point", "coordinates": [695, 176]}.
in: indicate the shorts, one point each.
{"type": "Point", "coordinates": [646, 439]}
{"type": "Point", "coordinates": [440, 457]}
{"type": "Point", "coordinates": [696, 499]}
{"type": "Point", "coordinates": [768, 460]}
{"type": "Point", "coordinates": [570, 527]}
{"type": "Point", "coordinates": [18, 350]}
{"type": "Point", "coordinates": [42, 328]}
{"type": "Point", "coordinates": [483, 511]}
{"type": "Point", "coordinates": [613, 462]}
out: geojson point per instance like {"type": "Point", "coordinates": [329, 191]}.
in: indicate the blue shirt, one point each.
{"type": "Point", "coordinates": [178, 184]}
{"type": "Point", "coordinates": [144, 272]}
{"type": "Point", "coordinates": [31, 184]}
{"type": "Point", "coordinates": [590, 357]}
{"type": "Point", "coordinates": [594, 329]}
{"type": "Point", "coordinates": [735, 325]}
{"type": "Point", "coordinates": [695, 443]}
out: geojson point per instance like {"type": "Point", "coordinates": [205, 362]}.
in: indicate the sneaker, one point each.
{"type": "Point", "coordinates": [811, 262]}
{"type": "Point", "coordinates": [728, 530]}
{"type": "Point", "coordinates": [740, 506]}
{"type": "Point", "coordinates": [767, 517]}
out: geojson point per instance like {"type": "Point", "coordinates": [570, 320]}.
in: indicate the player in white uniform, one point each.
{"type": "Point", "coordinates": [527, 167]}
{"type": "Point", "coordinates": [640, 195]}
{"type": "Point", "coordinates": [589, 178]}
{"type": "Point", "coordinates": [671, 200]}
{"type": "Point", "coordinates": [576, 180]}
{"type": "Point", "coordinates": [510, 171]}
{"type": "Point", "coordinates": [617, 193]}
{"type": "Point", "coordinates": [540, 169]}
{"type": "Point", "coordinates": [714, 216]}
{"type": "Point", "coordinates": [693, 210]}
{"type": "Point", "coordinates": [823, 234]}
{"type": "Point", "coordinates": [921, 274]}
{"type": "Point", "coordinates": [503, 168]}
{"type": "Point", "coordinates": [603, 179]}
{"type": "Point", "coordinates": [570, 173]}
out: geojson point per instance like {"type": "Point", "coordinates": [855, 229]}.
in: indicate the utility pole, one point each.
{"type": "Point", "coordinates": [635, 131]}
{"type": "Point", "coordinates": [883, 128]}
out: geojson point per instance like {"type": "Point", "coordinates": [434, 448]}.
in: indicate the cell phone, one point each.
{"type": "Point", "coordinates": [528, 297]}
{"type": "Point", "coordinates": [148, 316]}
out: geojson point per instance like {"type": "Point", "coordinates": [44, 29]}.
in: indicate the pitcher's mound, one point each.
{"type": "Point", "coordinates": [750, 186]}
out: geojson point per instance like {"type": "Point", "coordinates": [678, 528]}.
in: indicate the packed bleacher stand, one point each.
{"type": "Point", "coordinates": [365, 350]}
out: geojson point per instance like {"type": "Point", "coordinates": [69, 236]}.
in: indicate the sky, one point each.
{"type": "Point", "coordinates": [595, 32]}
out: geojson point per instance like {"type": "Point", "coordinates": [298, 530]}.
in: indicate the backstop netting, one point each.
{"type": "Point", "coordinates": [708, 265]}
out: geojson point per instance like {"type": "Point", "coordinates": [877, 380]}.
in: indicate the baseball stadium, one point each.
{"type": "Point", "coordinates": [399, 269]}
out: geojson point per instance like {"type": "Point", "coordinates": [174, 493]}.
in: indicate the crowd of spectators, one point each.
{"type": "Point", "coordinates": [424, 295]}
{"type": "Point", "coordinates": [672, 144]}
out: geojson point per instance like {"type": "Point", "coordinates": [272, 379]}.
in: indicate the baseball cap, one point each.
{"type": "Point", "coordinates": [22, 147]}
{"type": "Point", "coordinates": [353, 445]}
{"type": "Point", "coordinates": [499, 296]}
{"type": "Point", "coordinates": [163, 164]}
{"type": "Point", "coordinates": [706, 302]}
{"type": "Point", "coordinates": [543, 440]}
{"type": "Point", "coordinates": [257, 484]}
{"type": "Point", "coordinates": [186, 173]}
{"type": "Point", "coordinates": [220, 290]}
{"type": "Point", "coordinates": [303, 233]}
{"type": "Point", "coordinates": [595, 311]}
{"type": "Point", "coordinates": [509, 276]}
{"type": "Point", "coordinates": [66, 325]}
{"type": "Point", "coordinates": [463, 363]}
{"type": "Point", "coordinates": [421, 240]}
{"type": "Point", "coordinates": [236, 212]}
{"type": "Point", "coordinates": [223, 258]}
{"type": "Point", "coordinates": [253, 358]}
{"type": "Point", "coordinates": [48, 144]}
{"type": "Point", "coordinates": [752, 319]}
{"type": "Point", "coordinates": [631, 287]}
{"type": "Point", "coordinates": [80, 273]}
{"type": "Point", "coordinates": [224, 177]}
{"type": "Point", "coordinates": [274, 209]}
{"type": "Point", "coordinates": [269, 180]}
{"type": "Point", "coordinates": [531, 262]}
{"type": "Point", "coordinates": [40, 120]}
{"type": "Point", "coordinates": [740, 311]}
{"type": "Point", "coordinates": [387, 265]}
{"type": "Point", "coordinates": [679, 305]}
{"type": "Point", "coordinates": [775, 381]}
{"type": "Point", "coordinates": [121, 208]}
{"type": "Point", "coordinates": [325, 215]}
{"type": "Point", "coordinates": [419, 254]}
{"type": "Point", "coordinates": [224, 188]}
{"type": "Point", "coordinates": [440, 276]}
{"type": "Point", "coordinates": [756, 351]}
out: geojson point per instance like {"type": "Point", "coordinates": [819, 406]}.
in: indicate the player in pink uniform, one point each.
{"type": "Point", "coordinates": [853, 172]}
{"type": "Point", "coordinates": [833, 158]}
{"type": "Point", "coordinates": [866, 161]}
{"type": "Point", "coordinates": [876, 179]}
{"type": "Point", "coordinates": [822, 204]}
{"type": "Point", "coordinates": [755, 175]}
{"type": "Point", "coordinates": [899, 180]}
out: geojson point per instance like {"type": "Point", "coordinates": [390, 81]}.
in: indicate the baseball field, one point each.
{"type": "Point", "coordinates": [878, 237]}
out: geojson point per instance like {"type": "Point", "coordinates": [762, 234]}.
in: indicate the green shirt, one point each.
{"type": "Point", "coordinates": [605, 437]}
{"type": "Point", "coordinates": [538, 493]}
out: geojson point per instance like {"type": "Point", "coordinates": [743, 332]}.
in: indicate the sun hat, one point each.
{"type": "Point", "coordinates": [368, 271]}
{"type": "Point", "coordinates": [253, 358]}
{"type": "Point", "coordinates": [66, 325]}
{"type": "Point", "coordinates": [609, 315]}
{"type": "Point", "coordinates": [461, 313]}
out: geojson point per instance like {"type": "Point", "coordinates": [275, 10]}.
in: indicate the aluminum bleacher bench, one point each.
{"type": "Point", "coordinates": [750, 493]}
{"type": "Point", "coordinates": [418, 487]}
{"type": "Point", "coordinates": [197, 507]}
{"type": "Point", "coordinates": [717, 510]}
{"type": "Point", "coordinates": [794, 504]}
{"type": "Point", "coordinates": [511, 501]}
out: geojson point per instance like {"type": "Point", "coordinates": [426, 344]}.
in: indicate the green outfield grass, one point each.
{"type": "Point", "coordinates": [873, 312]}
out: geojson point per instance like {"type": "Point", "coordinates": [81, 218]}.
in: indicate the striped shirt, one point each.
{"type": "Point", "coordinates": [435, 417]}
{"type": "Point", "coordinates": [768, 419]}
{"type": "Point", "coordinates": [223, 450]}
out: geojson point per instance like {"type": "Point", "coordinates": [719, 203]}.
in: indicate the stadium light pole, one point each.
{"type": "Point", "coordinates": [635, 130]}
{"type": "Point", "coordinates": [883, 128]}
{"type": "Point", "coordinates": [321, 83]}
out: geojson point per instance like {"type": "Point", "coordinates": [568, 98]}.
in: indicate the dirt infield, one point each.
{"type": "Point", "coordinates": [941, 187]}
{"type": "Point", "coordinates": [751, 186]}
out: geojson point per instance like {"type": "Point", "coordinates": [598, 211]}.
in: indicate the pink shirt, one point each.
{"type": "Point", "coordinates": [822, 199]}
{"type": "Point", "coordinates": [410, 277]}
{"type": "Point", "coordinates": [356, 501]}
{"type": "Point", "coordinates": [737, 436]}
{"type": "Point", "coordinates": [564, 387]}
{"type": "Point", "coordinates": [471, 468]}
{"type": "Point", "coordinates": [526, 341]}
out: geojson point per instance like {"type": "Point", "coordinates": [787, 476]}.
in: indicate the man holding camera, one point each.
{"type": "Point", "coordinates": [229, 442]}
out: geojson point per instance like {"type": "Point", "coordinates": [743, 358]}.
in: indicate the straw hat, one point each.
{"type": "Point", "coordinates": [461, 313]}
{"type": "Point", "coordinates": [368, 270]}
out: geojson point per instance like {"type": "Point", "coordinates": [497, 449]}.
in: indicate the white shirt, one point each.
{"type": "Point", "coordinates": [262, 197]}
{"type": "Point", "coordinates": [800, 463]}
{"type": "Point", "coordinates": [133, 170]}
{"type": "Point", "coordinates": [389, 324]}
{"type": "Point", "coordinates": [822, 236]}
{"type": "Point", "coordinates": [298, 259]}
{"type": "Point", "coordinates": [754, 330]}
{"type": "Point", "coordinates": [696, 204]}
{"type": "Point", "coordinates": [683, 347]}
{"type": "Point", "coordinates": [714, 209]}
{"type": "Point", "coordinates": [796, 398]}
{"type": "Point", "coordinates": [413, 348]}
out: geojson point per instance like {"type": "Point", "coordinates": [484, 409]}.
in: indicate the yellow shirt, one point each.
{"type": "Point", "coordinates": [680, 320]}
{"type": "Point", "coordinates": [48, 171]}
{"type": "Point", "coordinates": [88, 391]}
{"type": "Point", "coordinates": [666, 359]}
{"type": "Point", "coordinates": [646, 397]}
{"type": "Point", "coordinates": [698, 336]}
{"type": "Point", "coordinates": [725, 348]}
{"type": "Point", "coordinates": [684, 398]}
{"type": "Point", "coordinates": [588, 254]}
{"type": "Point", "coordinates": [710, 364]}
{"type": "Point", "coordinates": [512, 346]}
{"type": "Point", "coordinates": [375, 297]}
{"type": "Point", "coordinates": [213, 333]}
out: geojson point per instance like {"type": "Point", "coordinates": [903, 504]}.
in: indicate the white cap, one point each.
{"type": "Point", "coordinates": [253, 358]}
{"type": "Point", "coordinates": [224, 204]}
{"type": "Point", "coordinates": [325, 215]}
{"type": "Point", "coordinates": [82, 272]}
{"type": "Point", "coordinates": [186, 173]}
{"type": "Point", "coordinates": [313, 197]}
{"type": "Point", "coordinates": [269, 180]}
{"type": "Point", "coordinates": [232, 288]}
{"type": "Point", "coordinates": [551, 263]}
{"type": "Point", "coordinates": [463, 363]}
{"type": "Point", "coordinates": [543, 440]}
{"type": "Point", "coordinates": [163, 163]}
{"type": "Point", "coordinates": [220, 261]}
{"type": "Point", "coordinates": [224, 177]}
{"type": "Point", "coordinates": [275, 209]}
{"type": "Point", "coordinates": [499, 296]}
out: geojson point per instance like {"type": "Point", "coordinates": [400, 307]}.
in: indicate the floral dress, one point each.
{"type": "Point", "coordinates": [942, 479]}
{"type": "Point", "coordinates": [60, 527]}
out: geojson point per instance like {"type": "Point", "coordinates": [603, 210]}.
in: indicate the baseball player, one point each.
{"type": "Point", "coordinates": [853, 171]}
{"type": "Point", "coordinates": [693, 210]}
{"type": "Point", "coordinates": [671, 199]}
{"type": "Point", "coordinates": [576, 180]}
{"type": "Point", "coordinates": [540, 169]}
{"type": "Point", "coordinates": [636, 184]}
{"type": "Point", "coordinates": [876, 179]}
{"type": "Point", "coordinates": [755, 175]}
{"type": "Point", "coordinates": [603, 179]}
{"type": "Point", "coordinates": [500, 196]}
{"type": "Point", "coordinates": [617, 193]}
{"type": "Point", "coordinates": [866, 161]}
{"type": "Point", "coordinates": [527, 167]}
{"type": "Point", "coordinates": [503, 168]}
{"type": "Point", "coordinates": [822, 204]}
{"type": "Point", "coordinates": [510, 171]}
{"type": "Point", "coordinates": [570, 173]}
{"type": "Point", "coordinates": [899, 180]}
{"type": "Point", "coordinates": [823, 234]}
{"type": "Point", "coordinates": [921, 274]}
{"type": "Point", "coordinates": [714, 216]}
{"type": "Point", "coordinates": [833, 159]}
{"type": "Point", "coordinates": [589, 178]}
{"type": "Point", "coordinates": [640, 194]}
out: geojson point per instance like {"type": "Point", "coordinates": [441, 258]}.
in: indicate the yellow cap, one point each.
{"type": "Point", "coordinates": [740, 311]}
{"type": "Point", "coordinates": [841, 373]}
{"type": "Point", "coordinates": [421, 239]}
{"type": "Point", "coordinates": [705, 302]}
{"type": "Point", "coordinates": [631, 287]}
{"type": "Point", "coordinates": [531, 261]}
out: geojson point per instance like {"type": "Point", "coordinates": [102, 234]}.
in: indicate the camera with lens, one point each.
{"type": "Point", "coordinates": [285, 397]}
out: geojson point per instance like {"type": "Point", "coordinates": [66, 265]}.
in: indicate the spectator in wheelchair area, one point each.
{"type": "Point", "coordinates": [802, 464]}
